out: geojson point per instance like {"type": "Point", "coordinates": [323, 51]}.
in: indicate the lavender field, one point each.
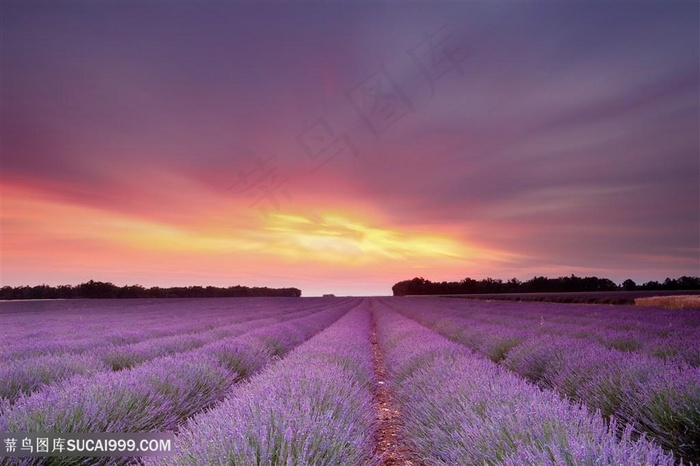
{"type": "Point", "coordinates": [358, 381]}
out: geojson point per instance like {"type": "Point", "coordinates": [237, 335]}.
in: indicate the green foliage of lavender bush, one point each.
{"type": "Point", "coordinates": [243, 357]}
{"type": "Point", "coordinates": [21, 377]}
{"type": "Point", "coordinates": [670, 409]}
{"type": "Point", "coordinates": [151, 397]}
{"type": "Point", "coordinates": [499, 348]}
{"type": "Point", "coordinates": [125, 357]}
{"type": "Point", "coordinates": [630, 344]}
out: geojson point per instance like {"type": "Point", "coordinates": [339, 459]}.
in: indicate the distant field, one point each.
{"type": "Point", "coordinates": [591, 297]}
{"type": "Point", "coordinates": [356, 381]}
{"type": "Point", "coordinates": [671, 302]}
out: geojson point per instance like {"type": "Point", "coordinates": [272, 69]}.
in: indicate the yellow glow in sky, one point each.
{"type": "Point", "coordinates": [338, 239]}
{"type": "Point", "coordinates": [69, 243]}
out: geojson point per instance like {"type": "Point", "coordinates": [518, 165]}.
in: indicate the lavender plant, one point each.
{"type": "Point", "coordinates": [153, 396]}
{"type": "Point", "coordinates": [461, 409]}
{"type": "Point", "coordinates": [313, 407]}
{"type": "Point", "coordinates": [55, 330]}
{"type": "Point", "coordinates": [656, 332]}
{"type": "Point", "coordinates": [636, 388]}
{"type": "Point", "coordinates": [23, 376]}
{"type": "Point", "coordinates": [20, 377]}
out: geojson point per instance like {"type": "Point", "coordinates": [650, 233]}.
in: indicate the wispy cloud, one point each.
{"type": "Point", "coordinates": [568, 139]}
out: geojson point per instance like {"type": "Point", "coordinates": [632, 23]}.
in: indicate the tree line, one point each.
{"type": "Point", "coordinates": [94, 289]}
{"type": "Point", "coordinates": [421, 286]}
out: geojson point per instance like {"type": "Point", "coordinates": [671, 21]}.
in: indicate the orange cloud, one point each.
{"type": "Point", "coordinates": [53, 237]}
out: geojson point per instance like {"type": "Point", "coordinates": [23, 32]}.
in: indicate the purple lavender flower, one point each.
{"type": "Point", "coordinates": [462, 409]}
{"type": "Point", "coordinates": [313, 407]}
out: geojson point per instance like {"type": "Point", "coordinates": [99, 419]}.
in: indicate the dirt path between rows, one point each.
{"type": "Point", "coordinates": [388, 443]}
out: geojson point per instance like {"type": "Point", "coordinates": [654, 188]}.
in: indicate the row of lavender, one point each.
{"type": "Point", "coordinates": [656, 332]}
{"type": "Point", "coordinates": [68, 327]}
{"type": "Point", "coordinates": [658, 397]}
{"type": "Point", "coordinates": [24, 375]}
{"type": "Point", "coordinates": [313, 407]}
{"type": "Point", "coordinates": [160, 394]}
{"type": "Point", "coordinates": [459, 408]}
{"type": "Point", "coordinates": [35, 332]}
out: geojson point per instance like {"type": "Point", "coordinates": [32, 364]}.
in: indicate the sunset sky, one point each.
{"type": "Point", "coordinates": [341, 148]}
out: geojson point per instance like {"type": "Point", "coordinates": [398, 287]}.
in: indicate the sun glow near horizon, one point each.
{"type": "Point", "coordinates": [347, 239]}
{"type": "Point", "coordinates": [320, 148]}
{"type": "Point", "coordinates": [63, 235]}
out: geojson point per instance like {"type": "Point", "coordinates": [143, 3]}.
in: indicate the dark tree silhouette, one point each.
{"type": "Point", "coordinates": [94, 289]}
{"type": "Point", "coordinates": [538, 284]}
{"type": "Point", "coordinates": [629, 285]}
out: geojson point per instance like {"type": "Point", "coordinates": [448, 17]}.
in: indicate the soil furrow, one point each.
{"type": "Point", "coordinates": [389, 446]}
